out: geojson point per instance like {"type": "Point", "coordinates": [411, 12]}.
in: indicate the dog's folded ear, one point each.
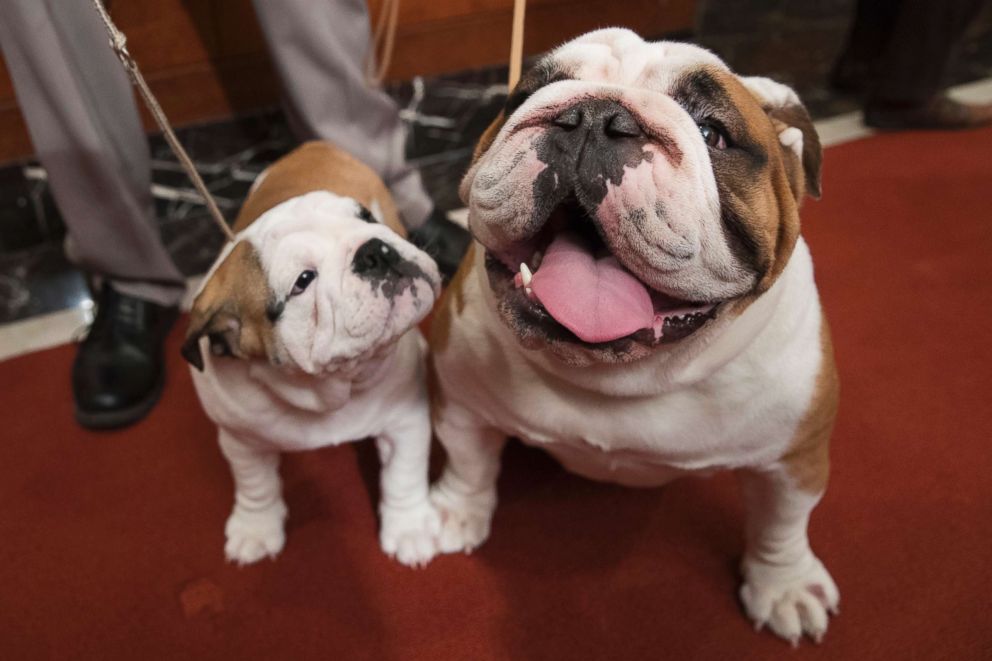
{"type": "Point", "coordinates": [223, 327]}
{"type": "Point", "coordinates": [231, 310]}
{"type": "Point", "coordinates": [796, 133]}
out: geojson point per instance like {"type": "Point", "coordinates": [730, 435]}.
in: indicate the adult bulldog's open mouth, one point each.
{"type": "Point", "coordinates": [566, 284]}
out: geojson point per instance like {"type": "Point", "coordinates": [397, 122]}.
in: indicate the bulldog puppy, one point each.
{"type": "Point", "coordinates": [639, 301]}
{"type": "Point", "coordinates": [304, 335]}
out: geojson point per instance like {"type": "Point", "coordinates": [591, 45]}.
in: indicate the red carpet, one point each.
{"type": "Point", "coordinates": [111, 544]}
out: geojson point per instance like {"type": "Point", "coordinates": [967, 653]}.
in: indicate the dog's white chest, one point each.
{"type": "Point", "coordinates": [647, 441]}
{"type": "Point", "coordinates": [732, 411]}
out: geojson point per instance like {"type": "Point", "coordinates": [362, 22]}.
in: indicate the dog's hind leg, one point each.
{"type": "Point", "coordinates": [465, 494]}
{"type": "Point", "coordinates": [254, 529]}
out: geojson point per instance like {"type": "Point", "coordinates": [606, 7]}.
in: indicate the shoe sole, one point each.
{"type": "Point", "coordinates": [105, 420]}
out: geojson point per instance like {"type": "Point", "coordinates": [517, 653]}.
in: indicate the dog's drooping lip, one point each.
{"type": "Point", "coordinates": [551, 304]}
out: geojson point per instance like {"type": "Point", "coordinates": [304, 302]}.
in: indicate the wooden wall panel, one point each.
{"type": "Point", "coordinates": [431, 41]}
{"type": "Point", "coordinates": [206, 59]}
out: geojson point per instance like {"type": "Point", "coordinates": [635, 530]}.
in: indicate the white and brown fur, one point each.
{"type": "Point", "coordinates": [754, 390]}
{"type": "Point", "coordinates": [283, 367]}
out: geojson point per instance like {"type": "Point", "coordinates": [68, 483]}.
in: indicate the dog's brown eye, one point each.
{"type": "Point", "coordinates": [303, 281]}
{"type": "Point", "coordinates": [712, 136]}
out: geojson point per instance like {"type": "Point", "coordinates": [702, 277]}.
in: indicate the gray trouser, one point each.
{"type": "Point", "coordinates": [84, 124]}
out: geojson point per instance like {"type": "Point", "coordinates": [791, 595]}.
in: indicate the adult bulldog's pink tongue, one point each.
{"type": "Point", "coordinates": [597, 299]}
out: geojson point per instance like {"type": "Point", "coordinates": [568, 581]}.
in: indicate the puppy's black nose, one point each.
{"type": "Point", "coordinates": [602, 117]}
{"type": "Point", "coordinates": [375, 259]}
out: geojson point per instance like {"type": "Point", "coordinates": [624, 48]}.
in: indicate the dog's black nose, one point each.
{"type": "Point", "coordinates": [601, 116]}
{"type": "Point", "coordinates": [376, 259]}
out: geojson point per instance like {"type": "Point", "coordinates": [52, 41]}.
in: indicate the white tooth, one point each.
{"type": "Point", "coordinates": [529, 291]}
{"type": "Point", "coordinates": [525, 274]}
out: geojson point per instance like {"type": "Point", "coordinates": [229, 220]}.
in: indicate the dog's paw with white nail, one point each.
{"type": "Point", "coordinates": [465, 520]}
{"type": "Point", "coordinates": [793, 600]}
{"type": "Point", "coordinates": [252, 536]}
{"type": "Point", "coordinates": [410, 534]}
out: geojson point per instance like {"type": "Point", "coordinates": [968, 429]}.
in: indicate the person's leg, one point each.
{"type": "Point", "coordinates": [80, 111]}
{"type": "Point", "coordinates": [909, 73]}
{"type": "Point", "coordinates": [81, 115]}
{"type": "Point", "coordinates": [868, 37]}
{"type": "Point", "coordinates": [319, 49]}
{"type": "Point", "coordinates": [924, 36]}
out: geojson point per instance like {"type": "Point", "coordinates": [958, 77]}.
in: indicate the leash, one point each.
{"type": "Point", "coordinates": [516, 43]}
{"type": "Point", "coordinates": [383, 40]}
{"type": "Point", "coordinates": [118, 42]}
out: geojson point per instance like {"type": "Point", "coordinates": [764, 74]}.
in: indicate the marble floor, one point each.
{"type": "Point", "coordinates": [45, 301]}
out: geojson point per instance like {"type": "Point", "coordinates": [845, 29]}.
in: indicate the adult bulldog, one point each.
{"type": "Point", "coordinates": [639, 301]}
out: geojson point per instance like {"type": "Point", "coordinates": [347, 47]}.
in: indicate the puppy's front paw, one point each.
{"type": "Point", "coordinates": [792, 600]}
{"type": "Point", "coordinates": [409, 534]}
{"type": "Point", "coordinates": [465, 520]}
{"type": "Point", "coordinates": [252, 536]}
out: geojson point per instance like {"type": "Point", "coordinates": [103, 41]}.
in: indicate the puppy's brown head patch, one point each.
{"type": "Point", "coordinates": [236, 309]}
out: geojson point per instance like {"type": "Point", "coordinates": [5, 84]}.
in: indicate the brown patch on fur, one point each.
{"type": "Point", "coordinates": [316, 166]}
{"type": "Point", "coordinates": [452, 303]}
{"type": "Point", "coordinates": [231, 310]}
{"type": "Point", "coordinates": [486, 140]}
{"type": "Point", "coordinates": [807, 460]}
{"type": "Point", "coordinates": [454, 294]}
{"type": "Point", "coordinates": [766, 205]}
{"type": "Point", "coordinates": [804, 176]}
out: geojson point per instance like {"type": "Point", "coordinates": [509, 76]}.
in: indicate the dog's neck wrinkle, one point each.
{"type": "Point", "coordinates": [324, 392]}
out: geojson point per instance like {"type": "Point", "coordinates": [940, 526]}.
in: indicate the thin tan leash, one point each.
{"type": "Point", "coordinates": [517, 43]}
{"type": "Point", "coordinates": [385, 35]}
{"type": "Point", "coordinates": [383, 39]}
{"type": "Point", "coordinates": [118, 42]}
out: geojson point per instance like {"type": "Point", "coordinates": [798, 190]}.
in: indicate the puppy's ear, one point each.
{"type": "Point", "coordinates": [796, 133]}
{"type": "Point", "coordinates": [232, 310]}
{"type": "Point", "coordinates": [223, 327]}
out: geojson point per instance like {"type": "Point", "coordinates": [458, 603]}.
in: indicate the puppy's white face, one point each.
{"type": "Point", "coordinates": [634, 189]}
{"type": "Point", "coordinates": [315, 284]}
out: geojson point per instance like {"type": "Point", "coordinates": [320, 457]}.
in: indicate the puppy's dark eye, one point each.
{"type": "Point", "coordinates": [303, 281]}
{"type": "Point", "coordinates": [713, 136]}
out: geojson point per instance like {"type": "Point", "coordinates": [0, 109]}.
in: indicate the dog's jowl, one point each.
{"type": "Point", "coordinates": [639, 301]}
{"type": "Point", "coordinates": [304, 335]}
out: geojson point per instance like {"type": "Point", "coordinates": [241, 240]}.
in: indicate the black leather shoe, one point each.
{"type": "Point", "coordinates": [118, 373]}
{"type": "Point", "coordinates": [443, 240]}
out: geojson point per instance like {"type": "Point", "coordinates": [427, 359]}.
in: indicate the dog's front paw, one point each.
{"type": "Point", "coordinates": [792, 600]}
{"type": "Point", "coordinates": [465, 520]}
{"type": "Point", "coordinates": [410, 534]}
{"type": "Point", "coordinates": [252, 536]}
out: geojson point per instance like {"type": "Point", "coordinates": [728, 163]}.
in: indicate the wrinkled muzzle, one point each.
{"type": "Point", "coordinates": [387, 288]}
{"type": "Point", "coordinates": [602, 200]}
